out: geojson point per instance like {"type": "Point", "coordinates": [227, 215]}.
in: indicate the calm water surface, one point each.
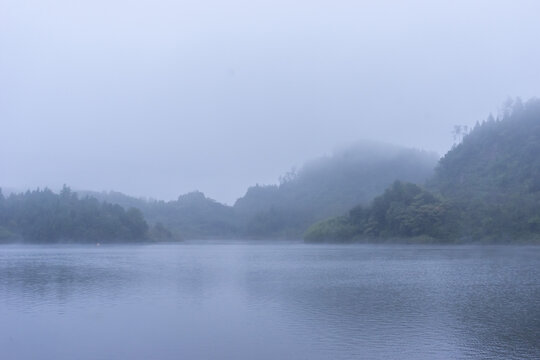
{"type": "Point", "coordinates": [269, 301]}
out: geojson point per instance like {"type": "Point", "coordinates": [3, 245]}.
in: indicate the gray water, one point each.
{"type": "Point", "coordinates": [269, 301]}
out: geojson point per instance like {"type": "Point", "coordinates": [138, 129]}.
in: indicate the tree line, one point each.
{"type": "Point", "coordinates": [41, 216]}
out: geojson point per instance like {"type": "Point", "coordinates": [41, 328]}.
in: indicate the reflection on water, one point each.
{"type": "Point", "coordinates": [269, 301]}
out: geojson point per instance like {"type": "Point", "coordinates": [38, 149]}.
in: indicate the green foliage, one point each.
{"type": "Point", "coordinates": [42, 216]}
{"type": "Point", "coordinates": [7, 236]}
{"type": "Point", "coordinates": [159, 232]}
{"type": "Point", "coordinates": [405, 210]}
{"type": "Point", "coordinates": [338, 229]}
{"type": "Point", "coordinates": [498, 157]}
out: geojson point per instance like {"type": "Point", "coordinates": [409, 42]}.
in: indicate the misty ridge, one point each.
{"type": "Point", "coordinates": [324, 187]}
{"type": "Point", "coordinates": [486, 188]}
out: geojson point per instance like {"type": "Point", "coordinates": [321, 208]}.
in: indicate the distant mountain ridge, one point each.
{"type": "Point", "coordinates": [324, 187]}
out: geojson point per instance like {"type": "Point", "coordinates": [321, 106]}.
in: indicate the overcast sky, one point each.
{"type": "Point", "coordinates": [158, 98]}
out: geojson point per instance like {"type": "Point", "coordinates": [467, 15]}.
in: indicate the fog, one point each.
{"type": "Point", "coordinates": [158, 98]}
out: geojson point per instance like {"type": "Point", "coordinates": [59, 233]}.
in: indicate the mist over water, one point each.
{"type": "Point", "coordinates": [269, 301]}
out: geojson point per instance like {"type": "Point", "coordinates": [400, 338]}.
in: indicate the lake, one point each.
{"type": "Point", "coordinates": [269, 301]}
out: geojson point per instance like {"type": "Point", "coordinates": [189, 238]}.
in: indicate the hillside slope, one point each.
{"type": "Point", "coordinates": [487, 188]}
{"type": "Point", "coordinates": [498, 157]}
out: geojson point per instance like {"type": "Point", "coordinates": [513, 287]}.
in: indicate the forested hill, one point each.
{"type": "Point", "coordinates": [329, 186]}
{"type": "Point", "coordinates": [498, 157]}
{"type": "Point", "coordinates": [42, 216]}
{"type": "Point", "coordinates": [486, 188]}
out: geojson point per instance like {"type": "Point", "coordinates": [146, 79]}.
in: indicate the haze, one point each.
{"type": "Point", "coordinates": [157, 98]}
